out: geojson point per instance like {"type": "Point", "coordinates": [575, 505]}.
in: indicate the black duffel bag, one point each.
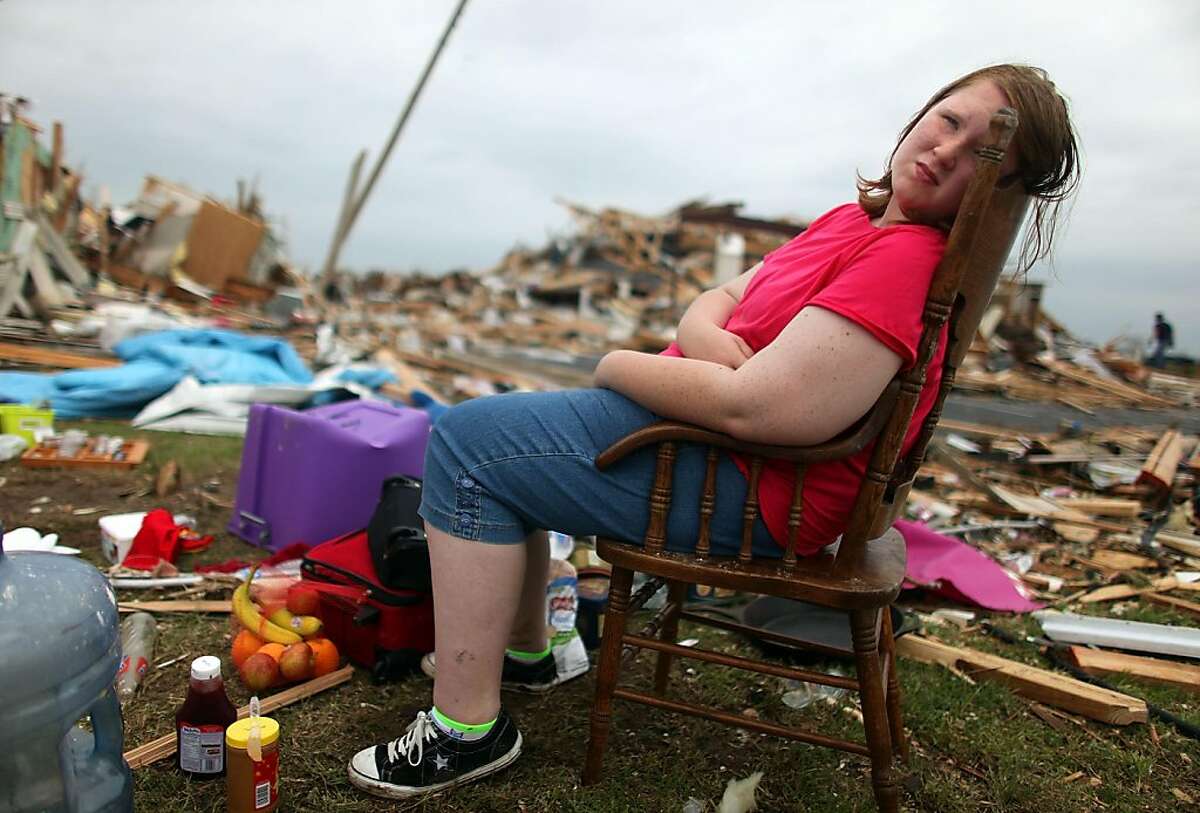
{"type": "Point", "coordinates": [396, 536]}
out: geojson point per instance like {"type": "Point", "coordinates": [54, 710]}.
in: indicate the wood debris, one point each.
{"type": "Point", "coordinates": [1029, 681]}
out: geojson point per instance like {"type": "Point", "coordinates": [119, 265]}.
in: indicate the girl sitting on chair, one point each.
{"type": "Point", "coordinates": [792, 352]}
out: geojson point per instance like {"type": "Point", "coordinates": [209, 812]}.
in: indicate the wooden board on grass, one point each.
{"type": "Point", "coordinates": [1031, 682]}
{"type": "Point", "coordinates": [176, 606]}
{"type": "Point", "coordinates": [1103, 662]}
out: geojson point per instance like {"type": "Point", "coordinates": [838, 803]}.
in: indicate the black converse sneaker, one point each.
{"type": "Point", "coordinates": [565, 662]}
{"type": "Point", "coordinates": [425, 759]}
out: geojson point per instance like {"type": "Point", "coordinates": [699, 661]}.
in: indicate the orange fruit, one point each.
{"type": "Point", "coordinates": [245, 644]}
{"type": "Point", "coordinates": [274, 650]}
{"type": "Point", "coordinates": [325, 656]}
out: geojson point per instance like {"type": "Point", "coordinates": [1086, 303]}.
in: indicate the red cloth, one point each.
{"type": "Point", "coordinates": [296, 550]}
{"type": "Point", "coordinates": [875, 277]}
{"type": "Point", "coordinates": [160, 538]}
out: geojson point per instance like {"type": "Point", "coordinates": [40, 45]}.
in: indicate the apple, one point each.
{"type": "Point", "coordinates": [303, 599]}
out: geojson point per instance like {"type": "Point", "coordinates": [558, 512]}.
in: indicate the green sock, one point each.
{"type": "Point", "coordinates": [527, 657]}
{"type": "Point", "coordinates": [460, 731]}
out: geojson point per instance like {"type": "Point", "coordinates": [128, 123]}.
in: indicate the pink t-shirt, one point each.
{"type": "Point", "coordinates": [876, 277]}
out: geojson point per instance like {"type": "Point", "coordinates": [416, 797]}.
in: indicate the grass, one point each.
{"type": "Point", "coordinates": [975, 747]}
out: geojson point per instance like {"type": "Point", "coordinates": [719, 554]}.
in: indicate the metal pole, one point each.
{"type": "Point", "coordinates": [408, 108]}
{"type": "Point", "coordinates": [339, 232]}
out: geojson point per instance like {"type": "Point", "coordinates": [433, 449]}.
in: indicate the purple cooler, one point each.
{"type": "Point", "coordinates": [315, 475]}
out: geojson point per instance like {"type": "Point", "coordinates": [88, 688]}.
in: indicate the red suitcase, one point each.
{"type": "Point", "coordinates": [384, 630]}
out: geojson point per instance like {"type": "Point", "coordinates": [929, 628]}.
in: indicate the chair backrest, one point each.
{"type": "Point", "coordinates": [987, 224]}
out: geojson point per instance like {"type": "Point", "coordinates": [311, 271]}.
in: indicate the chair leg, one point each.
{"type": "Point", "coordinates": [887, 644]}
{"type": "Point", "coordinates": [676, 592]}
{"type": "Point", "coordinates": [609, 667]}
{"type": "Point", "coordinates": [864, 631]}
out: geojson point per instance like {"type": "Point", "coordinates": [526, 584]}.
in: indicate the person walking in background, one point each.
{"type": "Point", "coordinates": [1164, 340]}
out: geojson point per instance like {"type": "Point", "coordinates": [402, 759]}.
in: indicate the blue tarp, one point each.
{"type": "Point", "coordinates": [155, 363]}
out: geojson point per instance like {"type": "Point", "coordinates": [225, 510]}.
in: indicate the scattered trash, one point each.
{"type": "Point", "coordinates": [31, 539]}
{"type": "Point", "coordinates": [12, 446]}
{"type": "Point", "coordinates": [139, 632]}
{"type": "Point", "coordinates": [951, 568]}
{"type": "Point", "coordinates": [800, 694]}
{"type": "Point", "coordinates": [739, 794]}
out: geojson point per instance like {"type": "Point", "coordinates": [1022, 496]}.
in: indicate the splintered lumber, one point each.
{"type": "Point", "coordinates": [198, 606]}
{"type": "Point", "coordinates": [53, 358]}
{"type": "Point", "coordinates": [1103, 506]}
{"type": "Point", "coordinates": [1116, 591]}
{"type": "Point", "coordinates": [1102, 662]}
{"type": "Point", "coordinates": [1035, 506]}
{"type": "Point", "coordinates": [1180, 604]}
{"type": "Point", "coordinates": [1120, 560]}
{"type": "Point", "coordinates": [164, 746]}
{"type": "Point", "coordinates": [1163, 462]}
{"type": "Point", "coordinates": [1030, 682]}
{"type": "Point", "coordinates": [1076, 533]}
{"type": "Point", "coordinates": [1184, 543]}
{"type": "Point", "coordinates": [1116, 388]}
{"type": "Point", "coordinates": [977, 430]}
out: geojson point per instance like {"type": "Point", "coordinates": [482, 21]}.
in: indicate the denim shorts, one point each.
{"type": "Point", "coordinates": [499, 467]}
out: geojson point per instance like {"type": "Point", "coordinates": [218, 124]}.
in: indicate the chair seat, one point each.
{"type": "Point", "coordinates": [874, 584]}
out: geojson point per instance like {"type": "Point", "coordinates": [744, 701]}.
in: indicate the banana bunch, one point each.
{"type": "Point", "coordinates": [305, 625]}
{"type": "Point", "coordinates": [281, 627]}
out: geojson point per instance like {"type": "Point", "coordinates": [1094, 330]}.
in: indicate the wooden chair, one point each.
{"type": "Point", "coordinates": [862, 574]}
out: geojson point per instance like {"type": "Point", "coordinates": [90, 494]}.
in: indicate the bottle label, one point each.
{"type": "Point", "coordinates": [202, 748]}
{"type": "Point", "coordinates": [563, 600]}
{"type": "Point", "coordinates": [266, 780]}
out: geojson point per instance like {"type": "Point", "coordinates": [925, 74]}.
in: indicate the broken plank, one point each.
{"type": "Point", "coordinates": [1118, 560]}
{"type": "Point", "coordinates": [951, 460]}
{"type": "Point", "coordinates": [1076, 533]}
{"type": "Point", "coordinates": [1103, 662]}
{"type": "Point", "coordinates": [1174, 603]}
{"type": "Point", "coordinates": [1035, 506]}
{"type": "Point", "coordinates": [1030, 682]}
{"type": "Point", "coordinates": [1115, 591]}
{"type": "Point", "coordinates": [43, 278]}
{"type": "Point", "coordinates": [1184, 543]}
{"type": "Point", "coordinates": [54, 244]}
{"type": "Point", "coordinates": [53, 358]}
{"type": "Point", "coordinates": [1159, 469]}
{"type": "Point", "coordinates": [165, 745]}
{"type": "Point", "coordinates": [198, 606]}
{"type": "Point", "coordinates": [978, 430]}
{"type": "Point", "coordinates": [1103, 506]}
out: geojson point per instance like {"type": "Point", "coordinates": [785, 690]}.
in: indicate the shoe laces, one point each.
{"type": "Point", "coordinates": [412, 741]}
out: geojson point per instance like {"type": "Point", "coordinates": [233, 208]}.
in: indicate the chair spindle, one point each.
{"type": "Point", "coordinates": [750, 510]}
{"type": "Point", "coordinates": [708, 504]}
{"type": "Point", "coordinates": [794, 517]}
{"type": "Point", "coordinates": [660, 498]}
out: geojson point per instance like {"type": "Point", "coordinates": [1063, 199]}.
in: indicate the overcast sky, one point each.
{"type": "Point", "coordinates": [640, 105]}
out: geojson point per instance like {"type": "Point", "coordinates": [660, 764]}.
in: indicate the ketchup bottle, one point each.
{"type": "Point", "coordinates": [201, 721]}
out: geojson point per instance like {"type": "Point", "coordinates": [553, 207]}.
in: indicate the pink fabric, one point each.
{"type": "Point", "coordinates": [875, 277]}
{"type": "Point", "coordinates": [954, 569]}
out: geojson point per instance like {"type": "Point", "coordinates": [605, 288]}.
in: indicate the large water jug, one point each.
{"type": "Point", "coordinates": [61, 649]}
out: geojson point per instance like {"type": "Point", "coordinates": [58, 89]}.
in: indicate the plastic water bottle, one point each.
{"type": "Point", "coordinates": [138, 634]}
{"type": "Point", "coordinates": [61, 651]}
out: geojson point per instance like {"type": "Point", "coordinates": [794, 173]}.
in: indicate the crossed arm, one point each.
{"type": "Point", "coordinates": [820, 374]}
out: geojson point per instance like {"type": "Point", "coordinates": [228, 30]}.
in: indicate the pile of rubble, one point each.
{"type": "Point", "coordinates": [539, 318]}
